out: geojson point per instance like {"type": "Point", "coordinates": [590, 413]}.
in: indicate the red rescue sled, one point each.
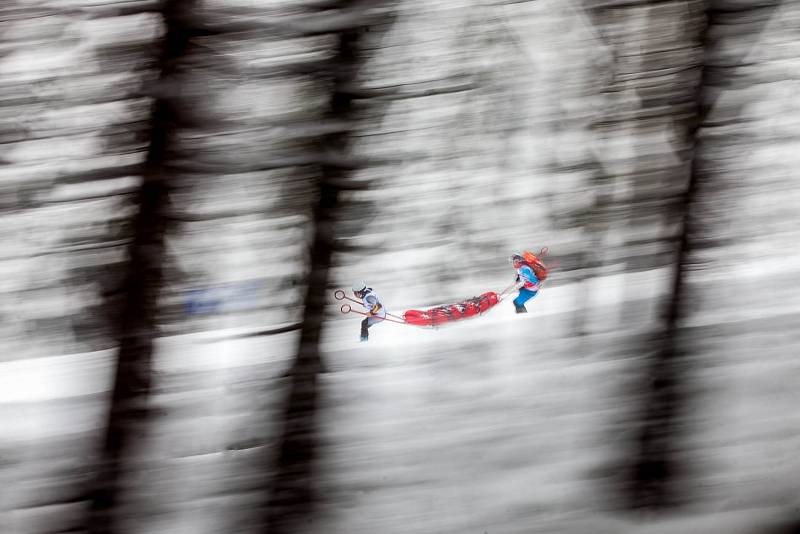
{"type": "Point", "coordinates": [452, 312]}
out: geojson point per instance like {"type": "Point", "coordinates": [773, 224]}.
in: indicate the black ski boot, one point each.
{"type": "Point", "coordinates": [521, 309]}
{"type": "Point", "coordinates": [364, 331]}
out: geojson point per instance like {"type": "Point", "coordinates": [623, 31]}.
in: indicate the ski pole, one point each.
{"type": "Point", "coordinates": [340, 295]}
{"type": "Point", "coordinates": [346, 308]}
{"type": "Point", "coordinates": [506, 290]}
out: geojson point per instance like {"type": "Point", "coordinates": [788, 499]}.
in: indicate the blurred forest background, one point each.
{"type": "Point", "coordinates": [184, 183]}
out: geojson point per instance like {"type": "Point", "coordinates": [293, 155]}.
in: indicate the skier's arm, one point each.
{"type": "Point", "coordinates": [372, 304]}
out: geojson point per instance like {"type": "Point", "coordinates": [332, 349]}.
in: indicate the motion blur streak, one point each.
{"type": "Point", "coordinates": [185, 183]}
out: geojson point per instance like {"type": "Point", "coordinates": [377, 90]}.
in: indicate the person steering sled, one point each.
{"type": "Point", "coordinates": [531, 272]}
{"type": "Point", "coordinates": [372, 303]}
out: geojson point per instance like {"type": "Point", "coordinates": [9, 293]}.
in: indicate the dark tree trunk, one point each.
{"type": "Point", "coordinates": [659, 463]}
{"type": "Point", "coordinates": [292, 493]}
{"type": "Point", "coordinates": [128, 411]}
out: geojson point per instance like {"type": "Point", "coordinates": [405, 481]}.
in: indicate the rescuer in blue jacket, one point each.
{"type": "Point", "coordinates": [527, 282]}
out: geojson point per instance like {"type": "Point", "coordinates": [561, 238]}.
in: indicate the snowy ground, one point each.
{"type": "Point", "coordinates": [503, 423]}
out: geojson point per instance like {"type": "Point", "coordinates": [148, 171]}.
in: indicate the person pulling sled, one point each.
{"type": "Point", "coordinates": [531, 272]}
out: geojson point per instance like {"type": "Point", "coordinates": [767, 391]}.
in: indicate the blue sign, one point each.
{"type": "Point", "coordinates": [236, 296]}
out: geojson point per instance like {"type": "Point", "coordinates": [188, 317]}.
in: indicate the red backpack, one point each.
{"type": "Point", "coordinates": [538, 266]}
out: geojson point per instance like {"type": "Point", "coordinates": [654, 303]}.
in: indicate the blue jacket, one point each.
{"type": "Point", "coordinates": [526, 275]}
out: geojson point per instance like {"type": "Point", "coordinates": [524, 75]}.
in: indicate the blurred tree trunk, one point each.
{"type": "Point", "coordinates": [128, 411]}
{"type": "Point", "coordinates": [660, 464]}
{"type": "Point", "coordinates": [293, 495]}
{"type": "Point", "coordinates": [658, 461]}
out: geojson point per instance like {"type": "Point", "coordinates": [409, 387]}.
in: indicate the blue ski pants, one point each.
{"type": "Point", "coordinates": [524, 296]}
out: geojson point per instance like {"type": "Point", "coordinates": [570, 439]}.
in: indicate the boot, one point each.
{"type": "Point", "coordinates": [520, 309]}
{"type": "Point", "coordinates": [364, 331]}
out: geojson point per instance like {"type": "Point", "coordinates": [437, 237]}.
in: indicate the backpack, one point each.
{"type": "Point", "coordinates": [539, 268]}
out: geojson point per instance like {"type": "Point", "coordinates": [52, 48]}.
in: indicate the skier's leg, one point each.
{"type": "Point", "coordinates": [524, 296]}
{"type": "Point", "coordinates": [369, 321]}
